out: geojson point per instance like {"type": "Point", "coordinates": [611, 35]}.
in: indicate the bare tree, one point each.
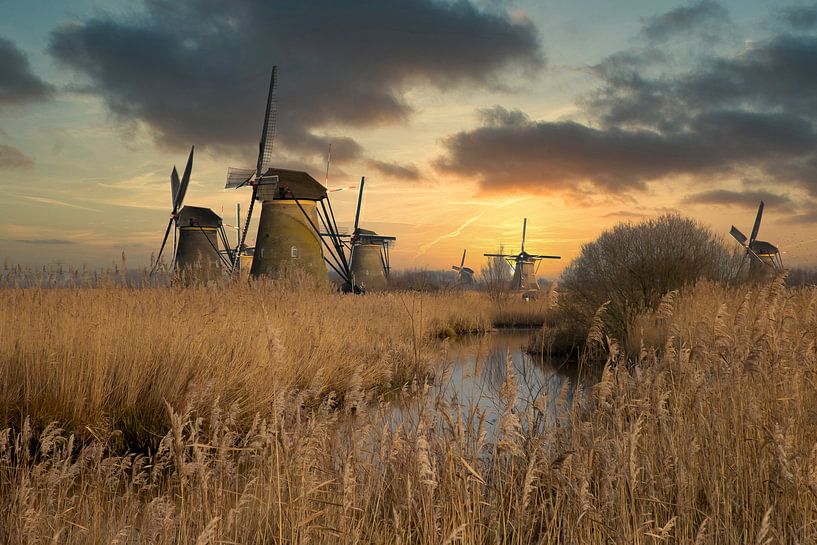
{"type": "Point", "coordinates": [496, 277]}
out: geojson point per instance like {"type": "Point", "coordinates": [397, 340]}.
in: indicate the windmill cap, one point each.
{"type": "Point", "coordinates": [198, 216]}
{"type": "Point", "coordinates": [297, 184]}
{"type": "Point", "coordinates": [761, 247]}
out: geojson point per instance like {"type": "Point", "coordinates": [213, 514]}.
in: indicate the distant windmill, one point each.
{"type": "Point", "coordinates": [763, 256]}
{"type": "Point", "coordinates": [524, 265]}
{"type": "Point", "coordinates": [289, 227]}
{"type": "Point", "coordinates": [465, 275]}
{"type": "Point", "coordinates": [369, 255]}
{"type": "Point", "coordinates": [197, 256]}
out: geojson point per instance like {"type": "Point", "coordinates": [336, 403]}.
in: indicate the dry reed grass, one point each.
{"type": "Point", "coordinates": [705, 436]}
{"type": "Point", "coordinates": [110, 358]}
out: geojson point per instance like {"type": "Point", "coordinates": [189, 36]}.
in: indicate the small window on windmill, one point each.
{"type": "Point", "coordinates": [293, 252]}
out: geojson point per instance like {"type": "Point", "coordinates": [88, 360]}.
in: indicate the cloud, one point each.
{"type": "Point", "coordinates": [196, 71]}
{"type": "Point", "coordinates": [518, 153]}
{"type": "Point", "coordinates": [396, 170]}
{"type": "Point", "coordinates": [13, 158]}
{"type": "Point", "coordinates": [703, 19]}
{"type": "Point", "coordinates": [749, 113]}
{"type": "Point", "coordinates": [743, 199]}
{"type": "Point", "coordinates": [800, 17]}
{"type": "Point", "coordinates": [625, 214]}
{"type": "Point", "coordinates": [18, 84]}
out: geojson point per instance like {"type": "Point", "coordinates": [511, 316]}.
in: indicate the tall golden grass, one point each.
{"type": "Point", "coordinates": [704, 433]}
{"type": "Point", "coordinates": [113, 356]}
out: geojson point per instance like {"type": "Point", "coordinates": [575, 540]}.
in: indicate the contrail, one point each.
{"type": "Point", "coordinates": [426, 247]}
{"type": "Point", "coordinates": [46, 200]}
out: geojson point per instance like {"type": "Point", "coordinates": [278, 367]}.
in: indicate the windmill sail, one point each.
{"type": "Point", "coordinates": [268, 132]}
{"type": "Point", "coordinates": [359, 201]}
{"type": "Point", "coordinates": [739, 236]}
{"type": "Point", "coordinates": [756, 227]}
{"type": "Point", "coordinates": [237, 177]}
{"type": "Point", "coordinates": [174, 187]}
{"type": "Point", "coordinates": [184, 183]}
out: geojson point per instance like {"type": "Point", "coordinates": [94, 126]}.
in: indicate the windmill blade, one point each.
{"type": "Point", "coordinates": [456, 268]}
{"type": "Point", "coordinates": [237, 177]}
{"type": "Point", "coordinates": [359, 201]}
{"type": "Point", "coordinates": [538, 256]}
{"type": "Point", "coordinates": [185, 182]}
{"type": "Point", "coordinates": [462, 263]}
{"type": "Point", "coordinates": [174, 187]}
{"type": "Point", "coordinates": [164, 242]}
{"type": "Point", "coordinates": [740, 237]}
{"type": "Point", "coordinates": [756, 228]}
{"type": "Point", "coordinates": [240, 245]}
{"type": "Point", "coordinates": [268, 132]}
{"type": "Point", "coordinates": [524, 229]}
{"type": "Point", "coordinates": [498, 255]}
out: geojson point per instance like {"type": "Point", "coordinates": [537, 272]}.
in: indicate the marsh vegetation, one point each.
{"type": "Point", "coordinates": [130, 418]}
{"type": "Point", "coordinates": [278, 412]}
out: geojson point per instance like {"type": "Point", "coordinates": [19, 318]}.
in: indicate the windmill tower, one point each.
{"type": "Point", "coordinates": [369, 255]}
{"type": "Point", "coordinates": [197, 257]}
{"type": "Point", "coordinates": [293, 205]}
{"type": "Point", "coordinates": [524, 266]}
{"type": "Point", "coordinates": [465, 275]}
{"type": "Point", "coordinates": [764, 257]}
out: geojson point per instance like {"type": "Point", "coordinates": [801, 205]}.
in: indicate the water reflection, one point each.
{"type": "Point", "coordinates": [472, 381]}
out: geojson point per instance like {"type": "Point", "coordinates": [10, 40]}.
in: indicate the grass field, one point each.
{"type": "Point", "coordinates": [240, 416]}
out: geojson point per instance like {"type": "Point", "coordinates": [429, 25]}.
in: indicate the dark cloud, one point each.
{"type": "Point", "coordinates": [750, 113]}
{"type": "Point", "coordinates": [18, 84]}
{"type": "Point", "coordinates": [54, 241]}
{"type": "Point", "coordinates": [703, 19]}
{"type": "Point", "coordinates": [13, 158]}
{"type": "Point", "coordinates": [519, 153]}
{"type": "Point", "coordinates": [396, 170]}
{"type": "Point", "coordinates": [743, 199]}
{"type": "Point", "coordinates": [196, 71]}
{"type": "Point", "coordinates": [800, 17]}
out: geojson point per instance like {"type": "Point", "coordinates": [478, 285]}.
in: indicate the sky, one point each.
{"type": "Point", "coordinates": [464, 116]}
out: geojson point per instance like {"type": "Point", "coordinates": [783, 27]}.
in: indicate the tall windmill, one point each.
{"type": "Point", "coordinates": [524, 265]}
{"type": "Point", "coordinates": [197, 256]}
{"type": "Point", "coordinates": [369, 255]}
{"type": "Point", "coordinates": [465, 275]}
{"type": "Point", "coordinates": [763, 256]}
{"type": "Point", "coordinates": [293, 207]}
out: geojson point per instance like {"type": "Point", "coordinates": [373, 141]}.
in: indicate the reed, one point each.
{"type": "Point", "coordinates": [111, 357]}
{"type": "Point", "coordinates": [703, 433]}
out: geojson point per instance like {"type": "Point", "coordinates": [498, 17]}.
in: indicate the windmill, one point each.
{"type": "Point", "coordinates": [524, 265]}
{"type": "Point", "coordinates": [293, 206]}
{"type": "Point", "coordinates": [465, 275]}
{"type": "Point", "coordinates": [196, 256]}
{"type": "Point", "coordinates": [763, 256]}
{"type": "Point", "coordinates": [368, 255]}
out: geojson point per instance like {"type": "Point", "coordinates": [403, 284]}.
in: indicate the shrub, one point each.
{"type": "Point", "coordinates": [631, 266]}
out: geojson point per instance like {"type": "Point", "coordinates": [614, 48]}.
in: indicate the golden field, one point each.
{"type": "Point", "coordinates": [250, 414]}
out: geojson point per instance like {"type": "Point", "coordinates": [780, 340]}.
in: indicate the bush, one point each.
{"type": "Point", "coordinates": [632, 266]}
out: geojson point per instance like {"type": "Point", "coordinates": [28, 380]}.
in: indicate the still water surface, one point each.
{"type": "Point", "coordinates": [475, 369]}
